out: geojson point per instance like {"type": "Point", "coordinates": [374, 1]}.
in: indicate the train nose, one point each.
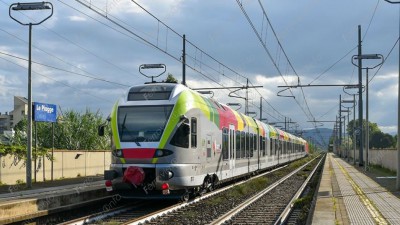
{"type": "Point", "coordinates": [134, 175]}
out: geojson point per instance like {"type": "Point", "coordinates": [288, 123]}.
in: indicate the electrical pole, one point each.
{"type": "Point", "coordinates": [360, 101]}
{"type": "Point", "coordinates": [246, 108]}
{"type": "Point", "coordinates": [261, 109]}
{"type": "Point", "coordinates": [184, 61]}
{"type": "Point", "coordinates": [340, 122]}
{"type": "Point", "coordinates": [354, 126]}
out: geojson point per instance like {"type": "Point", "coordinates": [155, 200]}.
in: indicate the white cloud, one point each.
{"type": "Point", "coordinates": [388, 129]}
{"type": "Point", "coordinates": [77, 18]}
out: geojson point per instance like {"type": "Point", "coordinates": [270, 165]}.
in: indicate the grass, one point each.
{"type": "Point", "coordinates": [381, 170]}
{"type": "Point", "coordinates": [240, 190]}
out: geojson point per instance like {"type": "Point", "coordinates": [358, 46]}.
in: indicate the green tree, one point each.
{"type": "Point", "coordinates": [79, 131]}
{"type": "Point", "coordinates": [73, 131]}
{"type": "Point", "coordinates": [171, 79]}
{"type": "Point", "coordinates": [377, 139]}
{"type": "Point", "coordinates": [373, 127]}
{"type": "Point", "coordinates": [381, 140]}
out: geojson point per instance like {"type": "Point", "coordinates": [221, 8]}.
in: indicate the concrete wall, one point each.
{"type": "Point", "coordinates": [386, 158]}
{"type": "Point", "coordinates": [66, 164]}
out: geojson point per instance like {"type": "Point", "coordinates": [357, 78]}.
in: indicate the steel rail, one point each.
{"type": "Point", "coordinates": [228, 216]}
{"type": "Point", "coordinates": [182, 205]}
{"type": "Point", "coordinates": [289, 208]}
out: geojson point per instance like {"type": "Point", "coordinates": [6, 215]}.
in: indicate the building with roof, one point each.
{"type": "Point", "coordinates": [9, 119]}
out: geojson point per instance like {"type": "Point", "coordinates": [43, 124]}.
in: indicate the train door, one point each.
{"type": "Point", "coordinates": [232, 149]}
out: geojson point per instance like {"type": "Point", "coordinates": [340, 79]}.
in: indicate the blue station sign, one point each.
{"type": "Point", "coordinates": [43, 112]}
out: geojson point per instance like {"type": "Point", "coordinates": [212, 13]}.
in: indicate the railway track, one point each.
{"type": "Point", "coordinates": [213, 207]}
{"type": "Point", "coordinates": [147, 211]}
{"type": "Point", "coordinates": [226, 205]}
{"type": "Point", "coordinates": [273, 205]}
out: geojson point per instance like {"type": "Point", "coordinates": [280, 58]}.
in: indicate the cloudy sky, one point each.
{"type": "Point", "coordinates": [83, 60]}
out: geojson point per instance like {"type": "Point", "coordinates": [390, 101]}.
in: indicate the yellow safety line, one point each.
{"type": "Point", "coordinates": [379, 219]}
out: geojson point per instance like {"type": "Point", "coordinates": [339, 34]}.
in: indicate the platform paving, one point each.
{"type": "Point", "coordinates": [18, 203]}
{"type": "Point", "coordinates": [351, 197]}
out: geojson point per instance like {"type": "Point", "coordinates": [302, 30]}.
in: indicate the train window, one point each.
{"type": "Point", "coordinates": [262, 145]}
{"type": "Point", "coordinates": [225, 143]}
{"type": "Point", "coordinates": [193, 136]}
{"type": "Point", "coordinates": [181, 136]}
{"type": "Point", "coordinates": [278, 147]}
{"type": "Point", "coordinates": [232, 144]}
{"type": "Point", "coordinates": [254, 138]}
{"type": "Point", "coordinates": [286, 147]}
{"type": "Point", "coordinates": [271, 147]}
{"type": "Point", "coordinates": [264, 141]}
{"type": "Point", "coordinates": [242, 145]}
{"type": "Point", "coordinates": [249, 144]}
{"type": "Point", "coordinates": [150, 92]}
{"type": "Point", "coordinates": [142, 123]}
{"type": "Point", "coordinates": [238, 146]}
{"type": "Point", "coordinates": [246, 150]}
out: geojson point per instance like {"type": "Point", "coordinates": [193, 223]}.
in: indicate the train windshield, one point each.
{"type": "Point", "coordinates": [142, 123]}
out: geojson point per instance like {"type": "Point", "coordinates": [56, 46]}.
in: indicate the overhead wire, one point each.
{"type": "Point", "coordinates": [64, 70]}
{"type": "Point", "coordinates": [387, 56]}
{"type": "Point", "coordinates": [306, 110]}
{"type": "Point", "coordinates": [365, 34]}
{"type": "Point", "coordinates": [206, 54]}
{"type": "Point", "coordinates": [63, 83]}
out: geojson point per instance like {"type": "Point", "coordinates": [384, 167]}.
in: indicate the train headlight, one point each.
{"type": "Point", "coordinates": [162, 152]}
{"type": "Point", "coordinates": [170, 174]}
{"type": "Point", "coordinates": [159, 153]}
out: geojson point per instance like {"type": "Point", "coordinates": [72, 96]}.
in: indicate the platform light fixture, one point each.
{"type": "Point", "coordinates": [26, 7]}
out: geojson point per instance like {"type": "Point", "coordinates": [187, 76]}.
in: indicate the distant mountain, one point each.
{"type": "Point", "coordinates": [318, 136]}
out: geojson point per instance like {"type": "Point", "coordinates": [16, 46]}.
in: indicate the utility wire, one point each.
{"type": "Point", "coordinates": [162, 50]}
{"type": "Point", "coordinates": [65, 84]}
{"type": "Point", "coordinates": [305, 110]}
{"type": "Point", "coordinates": [388, 55]}
{"type": "Point", "coordinates": [370, 21]}
{"type": "Point", "coordinates": [365, 34]}
{"type": "Point", "coordinates": [334, 64]}
{"type": "Point", "coordinates": [67, 71]}
{"type": "Point", "coordinates": [93, 76]}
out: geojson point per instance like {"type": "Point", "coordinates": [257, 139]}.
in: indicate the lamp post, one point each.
{"type": "Point", "coordinates": [398, 113]}
{"type": "Point", "coordinates": [344, 130]}
{"type": "Point", "coordinates": [25, 7]}
{"type": "Point", "coordinates": [354, 120]}
{"type": "Point", "coordinates": [367, 56]}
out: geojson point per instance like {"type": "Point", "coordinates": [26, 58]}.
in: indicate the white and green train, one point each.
{"type": "Point", "coordinates": [169, 141]}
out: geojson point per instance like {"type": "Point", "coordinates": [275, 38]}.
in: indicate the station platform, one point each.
{"type": "Point", "coordinates": [18, 203]}
{"type": "Point", "coordinates": [347, 196]}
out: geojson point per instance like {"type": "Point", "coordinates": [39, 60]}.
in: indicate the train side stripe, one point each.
{"type": "Point", "coordinates": [114, 123]}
